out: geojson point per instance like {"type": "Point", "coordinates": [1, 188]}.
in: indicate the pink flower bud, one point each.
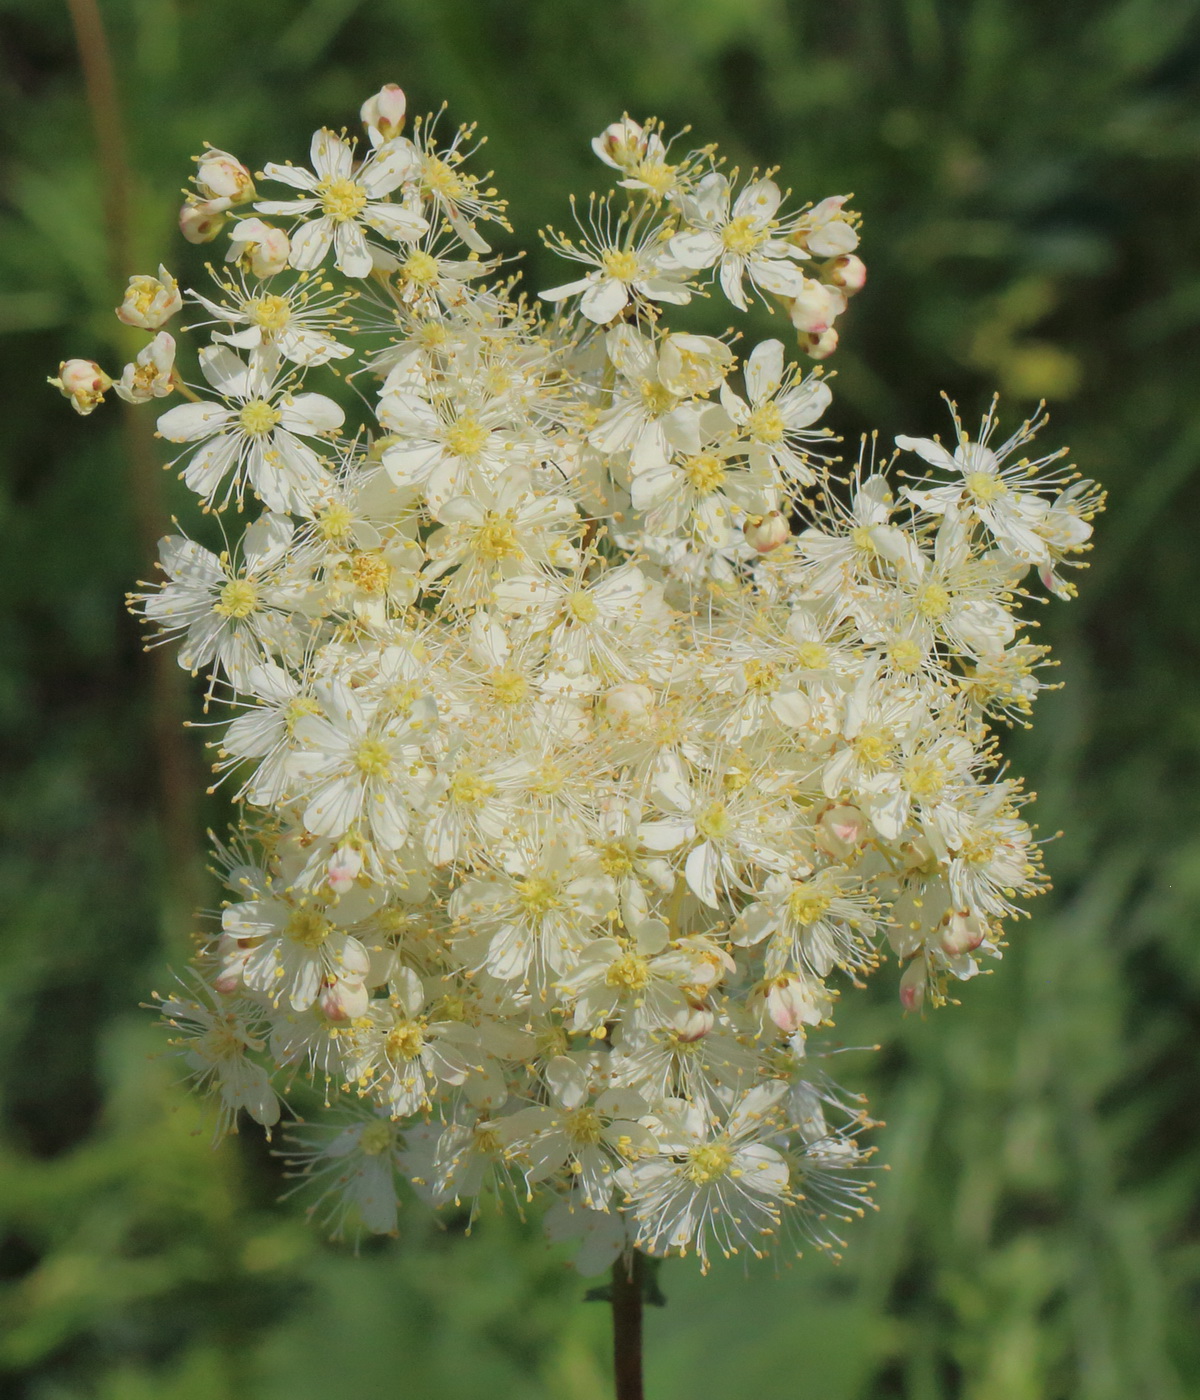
{"type": "Point", "coordinates": [343, 1000]}
{"type": "Point", "coordinates": [345, 866]}
{"type": "Point", "coordinates": [222, 176]}
{"type": "Point", "coordinates": [832, 239]}
{"type": "Point", "coordinates": [791, 1004]}
{"type": "Point", "coordinates": [847, 272]}
{"type": "Point", "coordinates": [200, 220]}
{"type": "Point", "coordinates": [962, 934]}
{"type": "Point", "coordinates": [150, 302]}
{"type": "Point", "coordinates": [767, 532]}
{"type": "Point", "coordinates": [815, 308]}
{"type": "Point", "coordinates": [261, 247]}
{"type": "Point", "coordinates": [820, 347]}
{"type": "Point", "coordinates": [841, 830]}
{"type": "Point", "coordinates": [385, 111]}
{"type": "Point", "coordinates": [912, 985]}
{"type": "Point", "coordinates": [621, 144]}
{"type": "Point", "coordinates": [692, 1023]}
{"type": "Point", "coordinates": [84, 383]}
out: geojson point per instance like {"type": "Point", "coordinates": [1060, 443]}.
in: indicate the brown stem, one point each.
{"type": "Point", "coordinates": [174, 761]}
{"type": "Point", "coordinates": [628, 1277]}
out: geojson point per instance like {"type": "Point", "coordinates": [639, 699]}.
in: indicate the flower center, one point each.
{"type": "Point", "coordinates": [238, 599]}
{"type": "Point", "coordinates": [308, 929]}
{"type": "Point", "coordinates": [537, 896]}
{"type": "Point", "coordinates": [615, 860]}
{"type": "Point", "coordinates": [705, 471]}
{"type": "Point", "coordinates": [441, 179]}
{"type": "Point", "coordinates": [713, 822]}
{"type": "Point", "coordinates": [766, 424]}
{"type": "Point", "coordinates": [466, 436]}
{"type": "Point", "coordinates": [707, 1163]}
{"type": "Point", "coordinates": [628, 971]}
{"type": "Point", "coordinates": [371, 572]}
{"type": "Point", "coordinates": [469, 789]}
{"type": "Point", "coordinates": [656, 175]}
{"type": "Point", "coordinates": [657, 399]}
{"type": "Point", "coordinates": [405, 1041]}
{"type": "Point", "coordinates": [619, 263]}
{"type": "Point", "coordinates": [741, 236]}
{"type": "Point", "coordinates": [296, 710]}
{"type": "Point", "coordinates": [583, 607]}
{"type": "Point", "coordinates": [270, 312]}
{"type": "Point", "coordinates": [760, 675]}
{"type": "Point", "coordinates": [342, 199]}
{"type": "Point", "coordinates": [509, 687]}
{"type": "Point", "coordinates": [336, 521]}
{"type": "Point", "coordinates": [934, 602]}
{"type": "Point", "coordinates": [874, 745]}
{"type": "Point", "coordinates": [905, 654]}
{"type": "Point", "coordinates": [584, 1127]}
{"type": "Point", "coordinates": [813, 656]}
{"type": "Point", "coordinates": [496, 539]}
{"type": "Point", "coordinates": [259, 417]}
{"type": "Point", "coordinates": [376, 1139]}
{"type": "Point", "coordinates": [924, 777]}
{"type": "Point", "coordinates": [373, 759]}
{"type": "Point", "coordinates": [860, 538]}
{"type": "Point", "coordinates": [805, 904]}
{"type": "Point", "coordinates": [421, 268]}
{"type": "Point", "coordinates": [985, 487]}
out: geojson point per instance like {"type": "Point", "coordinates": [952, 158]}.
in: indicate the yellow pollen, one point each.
{"type": "Point", "coordinates": [806, 904]}
{"type": "Point", "coordinates": [873, 746]}
{"type": "Point", "coordinates": [376, 1138]}
{"type": "Point", "coordinates": [705, 471]}
{"type": "Point", "coordinates": [615, 860]}
{"type": "Point", "coordinates": [373, 759]}
{"type": "Point", "coordinates": [766, 424]}
{"type": "Point", "coordinates": [741, 236]}
{"type": "Point", "coordinates": [583, 607]}
{"type": "Point", "coordinates": [296, 710]}
{"type": "Point", "coordinates": [620, 264]}
{"type": "Point", "coordinates": [259, 417]}
{"type": "Point", "coordinates": [707, 1163]}
{"type": "Point", "coordinates": [656, 175]}
{"type": "Point", "coordinates": [239, 598]}
{"type": "Point", "coordinates": [308, 929]}
{"type": "Point", "coordinates": [468, 789]}
{"type": "Point", "coordinates": [985, 487]}
{"type": "Point", "coordinates": [420, 268]}
{"type": "Point", "coordinates": [860, 538]}
{"type": "Point", "coordinates": [628, 971]}
{"type": "Point", "coordinates": [537, 896]}
{"type": "Point", "coordinates": [371, 572]}
{"type": "Point", "coordinates": [405, 1041]}
{"type": "Point", "coordinates": [466, 436]}
{"type": "Point", "coordinates": [657, 399]}
{"type": "Point", "coordinates": [923, 777]}
{"type": "Point", "coordinates": [487, 1140]}
{"type": "Point", "coordinates": [934, 601]}
{"type": "Point", "coordinates": [509, 687]}
{"type": "Point", "coordinates": [341, 199]}
{"type": "Point", "coordinates": [905, 654]}
{"type": "Point", "coordinates": [713, 822]}
{"type": "Point", "coordinates": [760, 675]}
{"type": "Point", "coordinates": [584, 1127]}
{"type": "Point", "coordinates": [496, 539]}
{"type": "Point", "coordinates": [270, 312]}
{"type": "Point", "coordinates": [813, 656]}
{"type": "Point", "coordinates": [549, 779]}
{"type": "Point", "coordinates": [335, 522]}
{"type": "Point", "coordinates": [737, 775]}
{"type": "Point", "coordinates": [441, 179]}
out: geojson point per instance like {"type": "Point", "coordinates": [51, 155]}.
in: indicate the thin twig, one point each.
{"type": "Point", "coordinates": [628, 1276]}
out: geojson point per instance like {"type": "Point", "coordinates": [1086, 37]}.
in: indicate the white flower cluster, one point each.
{"type": "Point", "coordinates": [577, 783]}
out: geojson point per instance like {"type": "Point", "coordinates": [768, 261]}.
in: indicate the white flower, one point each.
{"type": "Point", "coordinates": [152, 374]}
{"type": "Point", "coordinates": [345, 200]}
{"type": "Point", "coordinates": [741, 241]}
{"type": "Point", "coordinates": [255, 435]}
{"type": "Point", "coordinates": [779, 414]}
{"type": "Point", "coordinates": [150, 302]}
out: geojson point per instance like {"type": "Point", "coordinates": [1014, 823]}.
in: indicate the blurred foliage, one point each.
{"type": "Point", "coordinates": [1028, 177]}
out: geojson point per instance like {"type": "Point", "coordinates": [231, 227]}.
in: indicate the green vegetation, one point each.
{"type": "Point", "coordinates": [1027, 174]}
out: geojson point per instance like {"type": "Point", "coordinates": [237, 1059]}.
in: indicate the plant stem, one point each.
{"type": "Point", "coordinates": [174, 761]}
{"type": "Point", "coordinates": [627, 1283]}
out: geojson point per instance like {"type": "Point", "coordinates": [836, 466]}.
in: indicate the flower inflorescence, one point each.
{"type": "Point", "coordinates": [591, 733]}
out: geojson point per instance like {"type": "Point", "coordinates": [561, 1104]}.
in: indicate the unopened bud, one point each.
{"type": "Point", "coordinates": [262, 248]}
{"type": "Point", "coordinates": [629, 706]}
{"type": "Point", "coordinates": [841, 830]}
{"type": "Point", "coordinates": [832, 239]}
{"type": "Point", "coordinates": [84, 383]}
{"type": "Point", "coordinates": [819, 347]}
{"type": "Point", "coordinates": [912, 985]}
{"type": "Point", "coordinates": [620, 144]}
{"type": "Point", "coordinates": [342, 999]}
{"type": "Point", "coordinates": [150, 302]}
{"type": "Point", "coordinates": [222, 176]}
{"type": "Point", "coordinates": [791, 1004]}
{"type": "Point", "coordinates": [151, 375]}
{"type": "Point", "coordinates": [385, 111]}
{"type": "Point", "coordinates": [963, 933]}
{"type": "Point", "coordinates": [345, 866]}
{"type": "Point", "coordinates": [200, 220]}
{"type": "Point", "coordinates": [815, 308]}
{"type": "Point", "coordinates": [847, 272]}
{"type": "Point", "coordinates": [767, 532]}
{"type": "Point", "coordinates": [692, 1023]}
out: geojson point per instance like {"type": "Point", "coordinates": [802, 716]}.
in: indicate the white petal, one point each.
{"type": "Point", "coordinates": [188, 421]}
{"type": "Point", "coordinates": [353, 257]}
{"type": "Point", "coordinates": [604, 301]}
{"type": "Point", "coordinates": [331, 157]}
{"type": "Point", "coordinates": [290, 175]}
{"type": "Point", "coordinates": [310, 243]}
{"type": "Point", "coordinates": [226, 372]}
{"type": "Point", "coordinates": [311, 414]}
{"type": "Point", "coordinates": [764, 370]}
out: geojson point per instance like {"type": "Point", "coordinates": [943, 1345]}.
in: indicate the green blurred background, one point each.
{"type": "Point", "coordinates": [1029, 173]}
